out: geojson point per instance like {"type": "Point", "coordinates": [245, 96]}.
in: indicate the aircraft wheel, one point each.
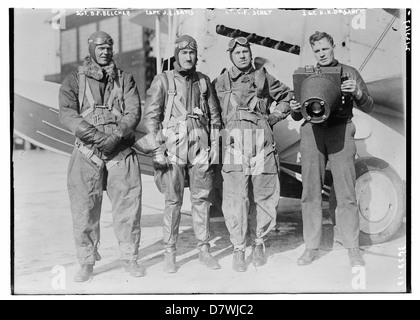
{"type": "Point", "coordinates": [381, 200]}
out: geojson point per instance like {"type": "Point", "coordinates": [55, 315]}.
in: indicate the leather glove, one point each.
{"type": "Point", "coordinates": [126, 133]}
{"type": "Point", "coordinates": [273, 119]}
{"type": "Point", "coordinates": [110, 143]}
{"type": "Point", "coordinates": [88, 134]}
{"type": "Point", "coordinates": [160, 159]}
{"type": "Point", "coordinates": [124, 130]}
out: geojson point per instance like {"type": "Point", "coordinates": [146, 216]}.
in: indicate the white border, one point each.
{"type": "Point", "coordinates": [5, 163]}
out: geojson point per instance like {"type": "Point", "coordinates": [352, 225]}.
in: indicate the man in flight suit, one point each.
{"type": "Point", "coordinates": [333, 141]}
{"type": "Point", "coordinates": [100, 104]}
{"type": "Point", "coordinates": [252, 101]}
{"type": "Point", "coordinates": [181, 118]}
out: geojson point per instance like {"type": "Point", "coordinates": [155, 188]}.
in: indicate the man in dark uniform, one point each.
{"type": "Point", "coordinates": [182, 117]}
{"type": "Point", "coordinates": [252, 101]}
{"type": "Point", "coordinates": [100, 104]}
{"type": "Point", "coordinates": [333, 141]}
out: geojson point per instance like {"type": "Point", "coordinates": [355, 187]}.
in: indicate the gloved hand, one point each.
{"type": "Point", "coordinates": [88, 134]}
{"type": "Point", "coordinates": [160, 158]}
{"type": "Point", "coordinates": [124, 130]}
{"type": "Point", "coordinates": [109, 144]}
{"type": "Point", "coordinates": [126, 133]}
{"type": "Point", "coordinates": [273, 119]}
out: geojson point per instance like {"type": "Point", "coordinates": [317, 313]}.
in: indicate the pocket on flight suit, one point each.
{"type": "Point", "coordinates": [83, 176]}
{"type": "Point", "coordinates": [201, 161]}
{"type": "Point", "coordinates": [177, 143]}
{"type": "Point", "coordinates": [248, 116]}
{"type": "Point", "coordinates": [232, 161]}
{"type": "Point", "coordinates": [270, 163]}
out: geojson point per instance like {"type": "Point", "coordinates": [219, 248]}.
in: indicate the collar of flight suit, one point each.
{"type": "Point", "coordinates": [235, 73]}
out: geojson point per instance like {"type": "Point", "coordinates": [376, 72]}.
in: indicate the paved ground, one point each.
{"type": "Point", "coordinates": [45, 259]}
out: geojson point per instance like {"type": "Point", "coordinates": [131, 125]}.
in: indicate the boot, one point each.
{"type": "Point", "coordinates": [170, 264]}
{"type": "Point", "coordinates": [309, 256]}
{"type": "Point", "coordinates": [239, 261]}
{"type": "Point", "coordinates": [84, 274]}
{"type": "Point", "coordinates": [134, 269]}
{"type": "Point", "coordinates": [356, 258]}
{"type": "Point", "coordinates": [258, 256]}
{"type": "Point", "coordinates": [210, 262]}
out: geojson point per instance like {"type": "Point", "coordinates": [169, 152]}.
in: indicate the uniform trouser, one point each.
{"type": "Point", "coordinates": [171, 183]}
{"type": "Point", "coordinates": [335, 144]}
{"type": "Point", "coordinates": [254, 195]}
{"type": "Point", "coordinates": [85, 182]}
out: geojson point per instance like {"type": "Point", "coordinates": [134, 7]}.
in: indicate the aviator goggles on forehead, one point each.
{"type": "Point", "coordinates": [186, 44]}
{"type": "Point", "coordinates": [240, 40]}
{"type": "Point", "coordinates": [99, 41]}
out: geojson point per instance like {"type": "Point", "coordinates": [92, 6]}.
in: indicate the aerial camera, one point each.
{"type": "Point", "coordinates": [318, 89]}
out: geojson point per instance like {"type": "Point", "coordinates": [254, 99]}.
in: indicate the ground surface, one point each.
{"type": "Point", "coordinates": [45, 262]}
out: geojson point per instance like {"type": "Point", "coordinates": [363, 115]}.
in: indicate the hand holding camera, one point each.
{"type": "Point", "coordinates": [350, 86]}
{"type": "Point", "coordinates": [295, 106]}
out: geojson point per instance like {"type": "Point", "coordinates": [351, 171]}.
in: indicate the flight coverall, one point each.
{"type": "Point", "coordinates": [192, 117]}
{"type": "Point", "coordinates": [250, 162]}
{"type": "Point", "coordinates": [91, 172]}
{"type": "Point", "coordinates": [333, 141]}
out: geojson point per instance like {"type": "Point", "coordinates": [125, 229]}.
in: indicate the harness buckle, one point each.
{"type": "Point", "coordinates": [95, 119]}
{"type": "Point", "coordinates": [89, 154]}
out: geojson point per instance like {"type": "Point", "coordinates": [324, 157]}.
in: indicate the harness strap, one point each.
{"type": "Point", "coordinates": [202, 85]}
{"type": "Point", "coordinates": [114, 92]}
{"type": "Point", "coordinates": [260, 80]}
{"type": "Point", "coordinates": [120, 156]}
{"type": "Point", "coordinates": [87, 90]}
{"type": "Point", "coordinates": [229, 97]}
{"type": "Point", "coordinates": [171, 98]}
{"type": "Point", "coordinates": [89, 96]}
{"type": "Point", "coordinates": [82, 85]}
{"type": "Point", "coordinates": [88, 153]}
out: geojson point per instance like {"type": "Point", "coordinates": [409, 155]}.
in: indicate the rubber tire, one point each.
{"type": "Point", "coordinates": [364, 165]}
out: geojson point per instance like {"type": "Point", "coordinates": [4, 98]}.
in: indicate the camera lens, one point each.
{"type": "Point", "coordinates": [316, 108]}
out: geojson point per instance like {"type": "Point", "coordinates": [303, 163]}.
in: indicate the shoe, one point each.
{"type": "Point", "coordinates": [309, 256]}
{"type": "Point", "coordinates": [134, 269]}
{"type": "Point", "coordinates": [239, 261]}
{"type": "Point", "coordinates": [258, 256]}
{"type": "Point", "coordinates": [210, 262]}
{"type": "Point", "coordinates": [84, 274]}
{"type": "Point", "coordinates": [170, 265]}
{"type": "Point", "coordinates": [356, 258]}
